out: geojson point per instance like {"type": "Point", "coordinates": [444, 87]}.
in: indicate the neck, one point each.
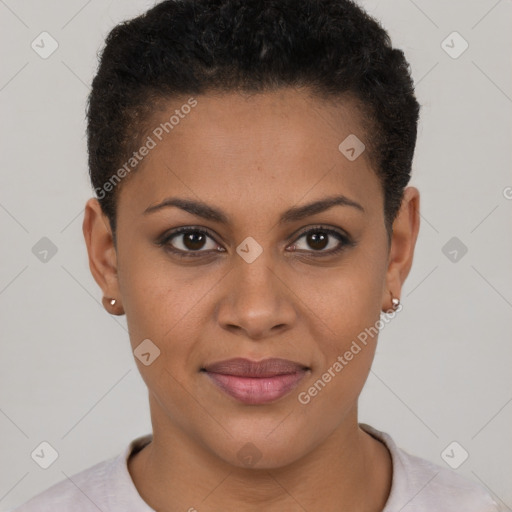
{"type": "Point", "coordinates": [349, 470]}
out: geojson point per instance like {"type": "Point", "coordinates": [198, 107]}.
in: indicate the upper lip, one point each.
{"type": "Point", "coordinates": [242, 367]}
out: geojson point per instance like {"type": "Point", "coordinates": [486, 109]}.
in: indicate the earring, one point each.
{"type": "Point", "coordinates": [395, 302]}
{"type": "Point", "coordinates": [113, 306]}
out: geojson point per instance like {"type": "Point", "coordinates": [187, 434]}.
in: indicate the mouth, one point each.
{"type": "Point", "coordinates": [256, 382]}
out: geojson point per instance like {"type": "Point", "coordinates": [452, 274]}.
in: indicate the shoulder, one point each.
{"type": "Point", "coordinates": [82, 491]}
{"type": "Point", "coordinates": [104, 486]}
{"type": "Point", "coordinates": [419, 485]}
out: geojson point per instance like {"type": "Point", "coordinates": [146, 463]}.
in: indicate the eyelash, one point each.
{"type": "Point", "coordinates": [346, 242]}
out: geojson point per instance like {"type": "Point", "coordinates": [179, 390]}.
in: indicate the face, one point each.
{"type": "Point", "coordinates": [264, 277]}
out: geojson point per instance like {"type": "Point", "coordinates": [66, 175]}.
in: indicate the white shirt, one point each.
{"type": "Point", "coordinates": [417, 486]}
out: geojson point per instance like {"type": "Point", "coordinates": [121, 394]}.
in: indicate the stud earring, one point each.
{"type": "Point", "coordinates": [113, 306]}
{"type": "Point", "coordinates": [395, 303]}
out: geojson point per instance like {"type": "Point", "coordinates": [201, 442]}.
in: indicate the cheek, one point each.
{"type": "Point", "coordinates": [160, 308]}
{"type": "Point", "coordinates": [345, 300]}
{"type": "Point", "coordinates": [155, 293]}
{"type": "Point", "coordinates": [345, 348]}
{"type": "Point", "coordinates": [164, 303]}
{"type": "Point", "coordinates": [344, 311]}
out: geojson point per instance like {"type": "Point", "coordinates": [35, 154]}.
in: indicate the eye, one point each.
{"type": "Point", "coordinates": [189, 240]}
{"type": "Point", "coordinates": [319, 238]}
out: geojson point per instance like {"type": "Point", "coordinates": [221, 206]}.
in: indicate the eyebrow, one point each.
{"type": "Point", "coordinates": [211, 213]}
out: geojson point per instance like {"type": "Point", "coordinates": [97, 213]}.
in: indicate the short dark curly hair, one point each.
{"type": "Point", "coordinates": [190, 47]}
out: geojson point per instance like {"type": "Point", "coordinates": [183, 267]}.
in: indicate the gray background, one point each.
{"type": "Point", "coordinates": [442, 372]}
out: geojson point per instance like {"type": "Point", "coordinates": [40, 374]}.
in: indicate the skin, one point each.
{"type": "Point", "coordinates": [253, 157]}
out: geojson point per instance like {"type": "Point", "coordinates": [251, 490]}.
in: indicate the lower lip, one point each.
{"type": "Point", "coordinates": [260, 390]}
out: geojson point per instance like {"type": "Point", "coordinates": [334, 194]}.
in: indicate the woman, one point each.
{"type": "Point", "coordinates": [252, 220]}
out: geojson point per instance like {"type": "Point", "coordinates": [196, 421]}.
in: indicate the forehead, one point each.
{"type": "Point", "coordinates": [252, 149]}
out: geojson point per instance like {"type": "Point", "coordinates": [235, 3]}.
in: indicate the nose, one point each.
{"type": "Point", "coordinates": [256, 300]}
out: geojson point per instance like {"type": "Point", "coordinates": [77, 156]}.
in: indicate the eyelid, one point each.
{"type": "Point", "coordinates": [321, 227]}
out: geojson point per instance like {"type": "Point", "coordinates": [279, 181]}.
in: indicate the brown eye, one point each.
{"type": "Point", "coordinates": [194, 240]}
{"type": "Point", "coordinates": [324, 241]}
{"type": "Point", "coordinates": [189, 240]}
{"type": "Point", "coordinates": [317, 240]}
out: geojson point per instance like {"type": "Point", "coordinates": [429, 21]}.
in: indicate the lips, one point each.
{"type": "Point", "coordinates": [246, 368]}
{"type": "Point", "coordinates": [256, 382]}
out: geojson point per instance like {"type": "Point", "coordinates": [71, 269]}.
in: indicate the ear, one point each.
{"type": "Point", "coordinates": [403, 242]}
{"type": "Point", "coordinates": [102, 254]}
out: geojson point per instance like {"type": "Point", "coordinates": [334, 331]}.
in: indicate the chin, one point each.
{"type": "Point", "coordinates": [258, 450]}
